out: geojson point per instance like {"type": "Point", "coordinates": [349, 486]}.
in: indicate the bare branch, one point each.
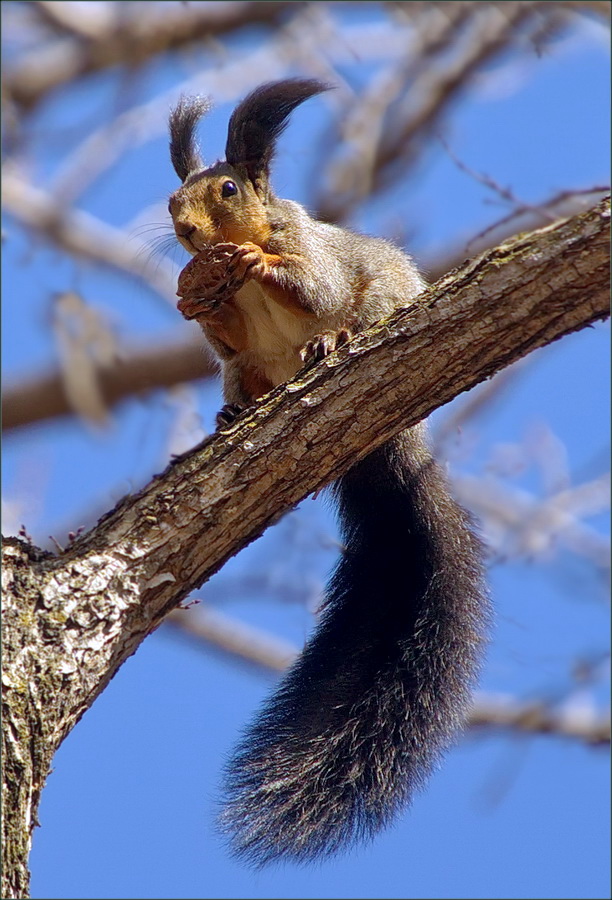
{"type": "Point", "coordinates": [562, 205]}
{"type": "Point", "coordinates": [491, 28]}
{"type": "Point", "coordinates": [132, 36]}
{"type": "Point", "coordinates": [235, 638]}
{"type": "Point", "coordinates": [305, 42]}
{"type": "Point", "coordinates": [520, 524]}
{"type": "Point", "coordinates": [601, 8]}
{"type": "Point", "coordinates": [136, 371]}
{"type": "Point", "coordinates": [536, 718]}
{"type": "Point", "coordinates": [477, 400]}
{"type": "Point", "coordinates": [76, 21]}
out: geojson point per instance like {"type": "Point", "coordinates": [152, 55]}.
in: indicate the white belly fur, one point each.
{"type": "Point", "coordinates": [275, 335]}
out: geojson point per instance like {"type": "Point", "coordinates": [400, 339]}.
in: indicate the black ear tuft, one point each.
{"type": "Point", "coordinates": [184, 151]}
{"type": "Point", "coordinates": [258, 121]}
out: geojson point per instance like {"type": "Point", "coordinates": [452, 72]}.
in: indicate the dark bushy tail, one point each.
{"type": "Point", "coordinates": [384, 683]}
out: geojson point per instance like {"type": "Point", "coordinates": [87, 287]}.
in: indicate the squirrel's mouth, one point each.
{"type": "Point", "coordinates": [187, 243]}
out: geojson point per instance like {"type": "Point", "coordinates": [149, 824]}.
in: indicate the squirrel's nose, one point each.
{"type": "Point", "coordinates": [184, 229]}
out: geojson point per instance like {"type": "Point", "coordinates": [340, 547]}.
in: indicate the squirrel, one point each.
{"type": "Point", "coordinates": [383, 685]}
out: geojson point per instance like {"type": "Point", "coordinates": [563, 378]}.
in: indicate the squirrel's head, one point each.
{"type": "Point", "coordinates": [227, 201]}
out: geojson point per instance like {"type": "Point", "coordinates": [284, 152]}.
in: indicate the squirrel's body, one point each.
{"type": "Point", "coordinates": [383, 685]}
{"type": "Point", "coordinates": [262, 330]}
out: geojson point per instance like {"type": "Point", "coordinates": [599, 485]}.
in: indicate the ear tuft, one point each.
{"type": "Point", "coordinates": [260, 119]}
{"type": "Point", "coordinates": [184, 150]}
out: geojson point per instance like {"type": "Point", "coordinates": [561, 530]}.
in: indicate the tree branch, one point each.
{"type": "Point", "coordinates": [128, 35]}
{"type": "Point", "coordinates": [138, 371]}
{"type": "Point", "coordinates": [71, 621]}
{"type": "Point", "coordinates": [479, 32]}
{"type": "Point", "coordinates": [508, 714]}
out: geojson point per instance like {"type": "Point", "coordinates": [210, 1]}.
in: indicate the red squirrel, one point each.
{"type": "Point", "coordinates": [383, 685]}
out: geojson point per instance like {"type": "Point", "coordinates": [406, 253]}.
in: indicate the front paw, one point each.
{"type": "Point", "coordinates": [248, 261]}
{"type": "Point", "coordinates": [323, 344]}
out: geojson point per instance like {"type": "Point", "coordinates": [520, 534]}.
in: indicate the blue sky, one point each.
{"type": "Point", "coordinates": [129, 808]}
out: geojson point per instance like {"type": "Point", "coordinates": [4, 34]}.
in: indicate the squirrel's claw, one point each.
{"type": "Point", "coordinates": [228, 414]}
{"type": "Point", "coordinates": [323, 344]}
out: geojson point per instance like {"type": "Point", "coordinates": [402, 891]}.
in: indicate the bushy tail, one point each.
{"type": "Point", "coordinates": [383, 684]}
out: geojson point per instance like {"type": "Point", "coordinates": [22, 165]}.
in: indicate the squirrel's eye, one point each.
{"type": "Point", "coordinates": [228, 189]}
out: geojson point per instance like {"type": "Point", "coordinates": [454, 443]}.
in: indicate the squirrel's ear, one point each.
{"type": "Point", "coordinates": [258, 121]}
{"type": "Point", "coordinates": [184, 150]}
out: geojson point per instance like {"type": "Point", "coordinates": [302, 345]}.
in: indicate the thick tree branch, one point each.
{"type": "Point", "coordinates": [71, 621]}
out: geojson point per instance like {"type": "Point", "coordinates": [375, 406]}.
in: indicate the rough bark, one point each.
{"type": "Point", "coordinates": [71, 621]}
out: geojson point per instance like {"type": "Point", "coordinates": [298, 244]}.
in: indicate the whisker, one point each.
{"type": "Point", "coordinates": [152, 226]}
{"type": "Point", "coordinates": [160, 247]}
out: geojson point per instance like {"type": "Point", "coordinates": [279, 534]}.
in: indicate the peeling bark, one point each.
{"type": "Point", "coordinates": [70, 621]}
